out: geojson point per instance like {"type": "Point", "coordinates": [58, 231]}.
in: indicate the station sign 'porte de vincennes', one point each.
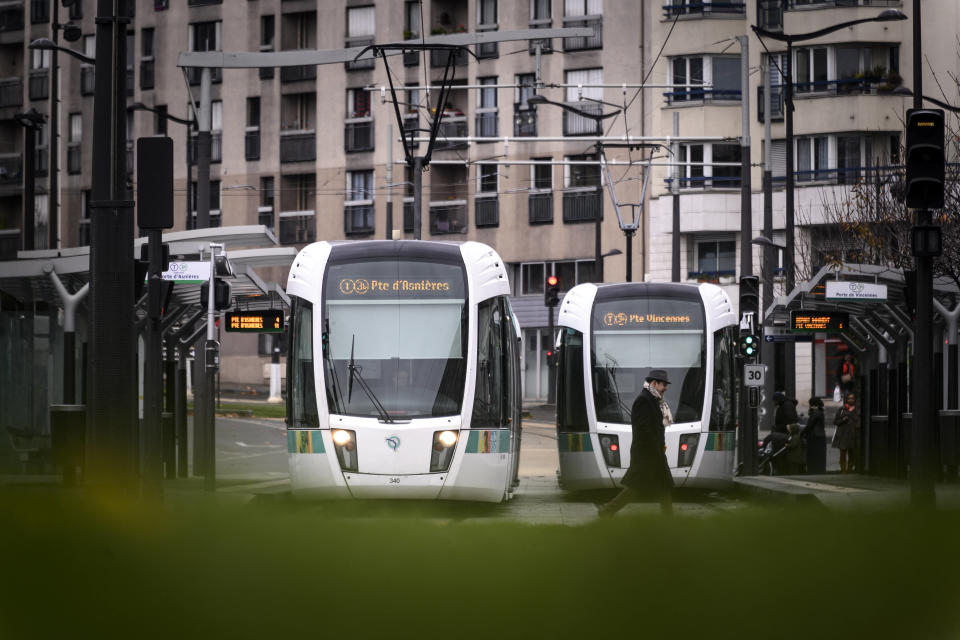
{"type": "Point", "coordinates": [861, 291]}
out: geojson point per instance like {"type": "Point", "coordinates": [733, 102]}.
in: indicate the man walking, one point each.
{"type": "Point", "coordinates": [649, 473]}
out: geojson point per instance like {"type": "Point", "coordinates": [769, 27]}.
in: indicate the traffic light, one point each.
{"type": "Point", "coordinates": [222, 294]}
{"type": "Point", "coordinates": [551, 293]}
{"type": "Point", "coordinates": [749, 345]}
{"type": "Point", "coordinates": [925, 158]}
{"type": "Point", "coordinates": [749, 295]}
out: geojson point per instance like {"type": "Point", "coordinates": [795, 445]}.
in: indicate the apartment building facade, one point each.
{"type": "Point", "coordinates": [306, 150]}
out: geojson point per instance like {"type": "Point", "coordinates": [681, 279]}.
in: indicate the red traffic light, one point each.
{"type": "Point", "coordinates": [553, 281]}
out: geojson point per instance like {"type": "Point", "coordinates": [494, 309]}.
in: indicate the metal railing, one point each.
{"type": "Point", "coordinates": [701, 95]}
{"type": "Point", "coordinates": [39, 84]}
{"type": "Point", "coordinates": [577, 125]}
{"type": "Point", "coordinates": [251, 145]}
{"type": "Point", "coordinates": [486, 211]}
{"type": "Point", "coordinates": [582, 206]}
{"type": "Point", "coordinates": [357, 219]}
{"type": "Point", "coordinates": [581, 43]}
{"type": "Point", "coordinates": [365, 63]}
{"type": "Point", "coordinates": [708, 182]}
{"type": "Point", "coordinates": [540, 208]}
{"type": "Point", "coordinates": [87, 80]}
{"type": "Point", "coordinates": [11, 92]}
{"type": "Point", "coordinates": [74, 159]}
{"type": "Point", "coordinates": [358, 136]}
{"type": "Point", "coordinates": [486, 124]}
{"type": "Point", "coordinates": [453, 127]}
{"type": "Point", "coordinates": [524, 122]}
{"type": "Point", "coordinates": [298, 146]}
{"type": "Point", "coordinates": [10, 168]}
{"type": "Point", "coordinates": [793, 4]}
{"type": "Point", "coordinates": [448, 218]}
{"type": "Point", "coordinates": [704, 9]}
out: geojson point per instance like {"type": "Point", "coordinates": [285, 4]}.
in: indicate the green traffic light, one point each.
{"type": "Point", "coordinates": [749, 339]}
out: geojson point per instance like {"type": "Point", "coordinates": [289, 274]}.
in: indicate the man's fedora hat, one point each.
{"type": "Point", "coordinates": [658, 374]}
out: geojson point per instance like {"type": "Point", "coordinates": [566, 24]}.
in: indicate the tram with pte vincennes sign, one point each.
{"type": "Point", "coordinates": [610, 337]}
{"type": "Point", "coordinates": [403, 372]}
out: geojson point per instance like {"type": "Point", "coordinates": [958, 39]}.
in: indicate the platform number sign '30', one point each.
{"type": "Point", "coordinates": [753, 375]}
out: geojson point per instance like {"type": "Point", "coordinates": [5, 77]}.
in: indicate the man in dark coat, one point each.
{"type": "Point", "coordinates": [649, 473]}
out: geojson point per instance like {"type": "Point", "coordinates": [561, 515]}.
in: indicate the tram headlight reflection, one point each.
{"type": "Point", "coordinates": [345, 444]}
{"type": "Point", "coordinates": [610, 446]}
{"type": "Point", "coordinates": [441, 453]}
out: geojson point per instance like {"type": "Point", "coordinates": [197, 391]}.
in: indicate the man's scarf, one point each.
{"type": "Point", "coordinates": [664, 407]}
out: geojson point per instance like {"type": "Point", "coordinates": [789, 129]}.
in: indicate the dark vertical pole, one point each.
{"type": "Point", "coordinates": [152, 471]}
{"type": "Point", "coordinates": [189, 221]}
{"type": "Point", "coordinates": [180, 411]}
{"type": "Point", "coordinates": [597, 251]}
{"type": "Point", "coordinates": [922, 492]}
{"type": "Point", "coordinates": [69, 367]}
{"type": "Point", "coordinates": [199, 410]}
{"type": "Point", "coordinates": [389, 225]}
{"type": "Point", "coordinates": [746, 206]}
{"type": "Point", "coordinates": [629, 237]}
{"type": "Point", "coordinates": [675, 189]}
{"type": "Point", "coordinates": [789, 348]}
{"type": "Point", "coordinates": [417, 195]}
{"type": "Point", "coordinates": [53, 200]}
{"type": "Point", "coordinates": [952, 372]}
{"type": "Point", "coordinates": [203, 154]}
{"type": "Point", "coordinates": [111, 454]}
{"type": "Point", "coordinates": [767, 350]}
{"type": "Point", "coordinates": [551, 376]}
{"type": "Point", "coordinates": [29, 187]}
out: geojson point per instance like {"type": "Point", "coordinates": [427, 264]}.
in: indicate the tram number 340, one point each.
{"type": "Point", "coordinates": [753, 374]}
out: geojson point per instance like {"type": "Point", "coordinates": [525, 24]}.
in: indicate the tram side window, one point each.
{"type": "Point", "coordinates": [572, 401]}
{"type": "Point", "coordinates": [303, 391]}
{"type": "Point", "coordinates": [491, 389]}
{"type": "Point", "coordinates": [723, 412]}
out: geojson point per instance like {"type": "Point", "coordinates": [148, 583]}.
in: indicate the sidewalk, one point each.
{"type": "Point", "coordinates": [847, 491]}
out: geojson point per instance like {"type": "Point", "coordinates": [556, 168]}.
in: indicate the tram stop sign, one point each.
{"type": "Point", "coordinates": [753, 374]}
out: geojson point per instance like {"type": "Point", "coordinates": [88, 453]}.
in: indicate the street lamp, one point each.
{"type": "Point", "coordinates": [46, 44]}
{"type": "Point", "coordinates": [888, 15]}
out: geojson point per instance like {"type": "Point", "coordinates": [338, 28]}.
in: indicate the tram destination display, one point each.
{"type": "Point", "coordinates": [802, 321]}
{"type": "Point", "coordinates": [265, 321]}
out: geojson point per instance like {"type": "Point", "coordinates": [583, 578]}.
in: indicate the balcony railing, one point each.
{"type": "Point", "coordinates": [297, 227]}
{"type": "Point", "coordinates": [888, 176]}
{"type": "Point", "coordinates": [298, 74]}
{"type": "Point", "coordinates": [704, 9]}
{"type": "Point", "coordinates": [577, 125]}
{"type": "Point", "coordinates": [487, 211]}
{"type": "Point", "coordinates": [486, 124]}
{"type": "Point", "coordinates": [451, 127]}
{"type": "Point", "coordinates": [524, 122]}
{"type": "Point", "coordinates": [74, 159]}
{"type": "Point", "coordinates": [11, 92]}
{"type": "Point", "coordinates": [200, 3]}
{"type": "Point", "coordinates": [358, 135]}
{"type": "Point", "coordinates": [582, 43]}
{"type": "Point", "coordinates": [700, 95]}
{"type": "Point", "coordinates": [300, 146]}
{"type": "Point", "coordinates": [251, 145]}
{"type": "Point", "coordinates": [448, 217]}
{"type": "Point", "coordinates": [39, 84]}
{"type": "Point", "coordinates": [717, 181]}
{"type": "Point", "coordinates": [10, 166]}
{"type": "Point", "coordinates": [438, 57]}
{"type": "Point", "coordinates": [582, 206]}
{"type": "Point", "coordinates": [357, 219]}
{"type": "Point", "coordinates": [9, 243]}
{"type": "Point", "coordinates": [11, 19]}
{"type": "Point", "coordinates": [87, 80]}
{"type": "Point", "coordinates": [365, 63]}
{"type": "Point", "coordinates": [793, 4]}
{"type": "Point", "coordinates": [540, 206]}
{"type": "Point", "coordinates": [146, 74]}
{"type": "Point", "coordinates": [546, 44]}
{"type": "Point", "coordinates": [776, 103]}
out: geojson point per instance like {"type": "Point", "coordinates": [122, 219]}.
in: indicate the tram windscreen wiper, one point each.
{"type": "Point", "coordinates": [332, 370]}
{"type": "Point", "coordinates": [356, 371]}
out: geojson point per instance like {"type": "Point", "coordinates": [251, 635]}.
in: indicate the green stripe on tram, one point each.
{"type": "Point", "coordinates": [575, 443]}
{"type": "Point", "coordinates": [721, 441]}
{"type": "Point", "coordinates": [303, 441]}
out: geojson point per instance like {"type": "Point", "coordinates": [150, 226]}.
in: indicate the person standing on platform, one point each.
{"type": "Point", "coordinates": [815, 436]}
{"type": "Point", "coordinates": [845, 439]}
{"type": "Point", "coordinates": [649, 473]}
{"type": "Point", "coordinates": [847, 375]}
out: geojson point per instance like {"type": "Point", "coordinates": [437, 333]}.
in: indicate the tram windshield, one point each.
{"type": "Point", "coordinates": [399, 328]}
{"type": "Point", "coordinates": [632, 336]}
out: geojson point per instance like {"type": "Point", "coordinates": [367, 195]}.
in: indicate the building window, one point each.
{"type": "Point", "coordinates": [698, 170]}
{"type": "Point", "coordinates": [583, 13]}
{"type": "Point", "coordinates": [690, 73]}
{"type": "Point", "coordinates": [146, 58]}
{"type": "Point", "coordinates": [361, 27]}
{"type": "Point", "coordinates": [811, 69]}
{"type": "Point", "coordinates": [570, 272]}
{"type": "Point", "coordinates": [487, 178]}
{"type": "Point", "coordinates": [74, 150]}
{"type": "Point", "coordinates": [83, 231]}
{"type": "Point", "coordinates": [487, 108]}
{"type": "Point", "coordinates": [487, 21]}
{"type": "Point", "coordinates": [687, 79]}
{"type": "Point", "coordinates": [358, 132]}
{"type": "Point", "coordinates": [412, 27]}
{"type": "Point", "coordinates": [297, 219]}
{"type": "Point", "coordinates": [160, 120]}
{"type": "Point", "coordinates": [204, 36]}
{"type": "Point", "coordinates": [813, 158]}
{"type": "Point", "coordinates": [358, 205]}
{"type": "Point", "coordinates": [267, 36]}
{"type": "Point", "coordinates": [487, 206]}
{"type": "Point", "coordinates": [214, 203]}
{"type": "Point", "coordinates": [582, 172]}
{"type": "Point", "coordinates": [583, 91]}
{"type": "Point", "coordinates": [265, 210]}
{"type": "Point", "coordinates": [716, 258]}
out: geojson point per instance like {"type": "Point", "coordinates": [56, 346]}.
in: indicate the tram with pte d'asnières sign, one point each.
{"type": "Point", "coordinates": [403, 372]}
{"type": "Point", "coordinates": [611, 336]}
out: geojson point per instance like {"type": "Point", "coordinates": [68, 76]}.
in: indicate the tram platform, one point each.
{"type": "Point", "coordinates": [841, 491]}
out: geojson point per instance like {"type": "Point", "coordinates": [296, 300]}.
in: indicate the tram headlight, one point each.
{"type": "Point", "coordinates": [345, 444]}
{"type": "Point", "coordinates": [610, 446]}
{"type": "Point", "coordinates": [441, 453]}
{"type": "Point", "coordinates": [688, 449]}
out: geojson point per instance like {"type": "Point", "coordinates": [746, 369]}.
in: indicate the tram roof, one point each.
{"type": "Point", "coordinates": [27, 278]}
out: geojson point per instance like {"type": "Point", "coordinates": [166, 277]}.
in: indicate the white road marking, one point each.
{"type": "Point", "coordinates": [269, 446]}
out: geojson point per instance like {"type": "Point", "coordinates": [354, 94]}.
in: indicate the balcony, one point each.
{"type": "Point", "coordinates": [582, 206]}
{"type": "Point", "coordinates": [884, 176]}
{"type": "Point", "coordinates": [487, 211]}
{"type": "Point", "coordinates": [39, 84]}
{"type": "Point", "coordinates": [74, 159]}
{"type": "Point", "coordinates": [704, 9]}
{"type": "Point", "coordinates": [11, 18]}
{"type": "Point", "coordinates": [524, 122]}
{"type": "Point", "coordinates": [11, 92]}
{"type": "Point", "coordinates": [298, 146]}
{"type": "Point", "coordinates": [438, 58]}
{"type": "Point", "coordinates": [588, 42]}
{"type": "Point", "coordinates": [357, 219]}
{"type": "Point", "coordinates": [451, 127]}
{"type": "Point", "coordinates": [540, 207]}
{"type": "Point", "coordinates": [546, 44]}
{"type": "Point", "coordinates": [693, 94]}
{"type": "Point", "coordinates": [251, 145]}
{"type": "Point", "coordinates": [448, 217]}
{"type": "Point", "coordinates": [10, 164]}
{"type": "Point", "coordinates": [297, 227]}
{"type": "Point", "coordinates": [146, 74]}
{"type": "Point", "coordinates": [87, 80]}
{"type": "Point", "coordinates": [776, 103]}
{"type": "Point", "coordinates": [9, 243]}
{"type": "Point", "coordinates": [577, 125]}
{"type": "Point", "coordinates": [360, 65]}
{"type": "Point", "coordinates": [358, 135]}
{"type": "Point", "coordinates": [486, 124]}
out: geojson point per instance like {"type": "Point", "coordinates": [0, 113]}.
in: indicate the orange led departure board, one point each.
{"type": "Point", "coordinates": [265, 321]}
{"type": "Point", "coordinates": [818, 321]}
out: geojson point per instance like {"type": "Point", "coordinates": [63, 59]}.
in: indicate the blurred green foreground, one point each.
{"type": "Point", "coordinates": [73, 566]}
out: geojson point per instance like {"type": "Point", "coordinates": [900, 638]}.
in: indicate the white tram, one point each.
{"type": "Point", "coordinates": [610, 337]}
{"type": "Point", "coordinates": [403, 372]}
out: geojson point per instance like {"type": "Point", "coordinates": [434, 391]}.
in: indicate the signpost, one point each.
{"type": "Point", "coordinates": [859, 291]}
